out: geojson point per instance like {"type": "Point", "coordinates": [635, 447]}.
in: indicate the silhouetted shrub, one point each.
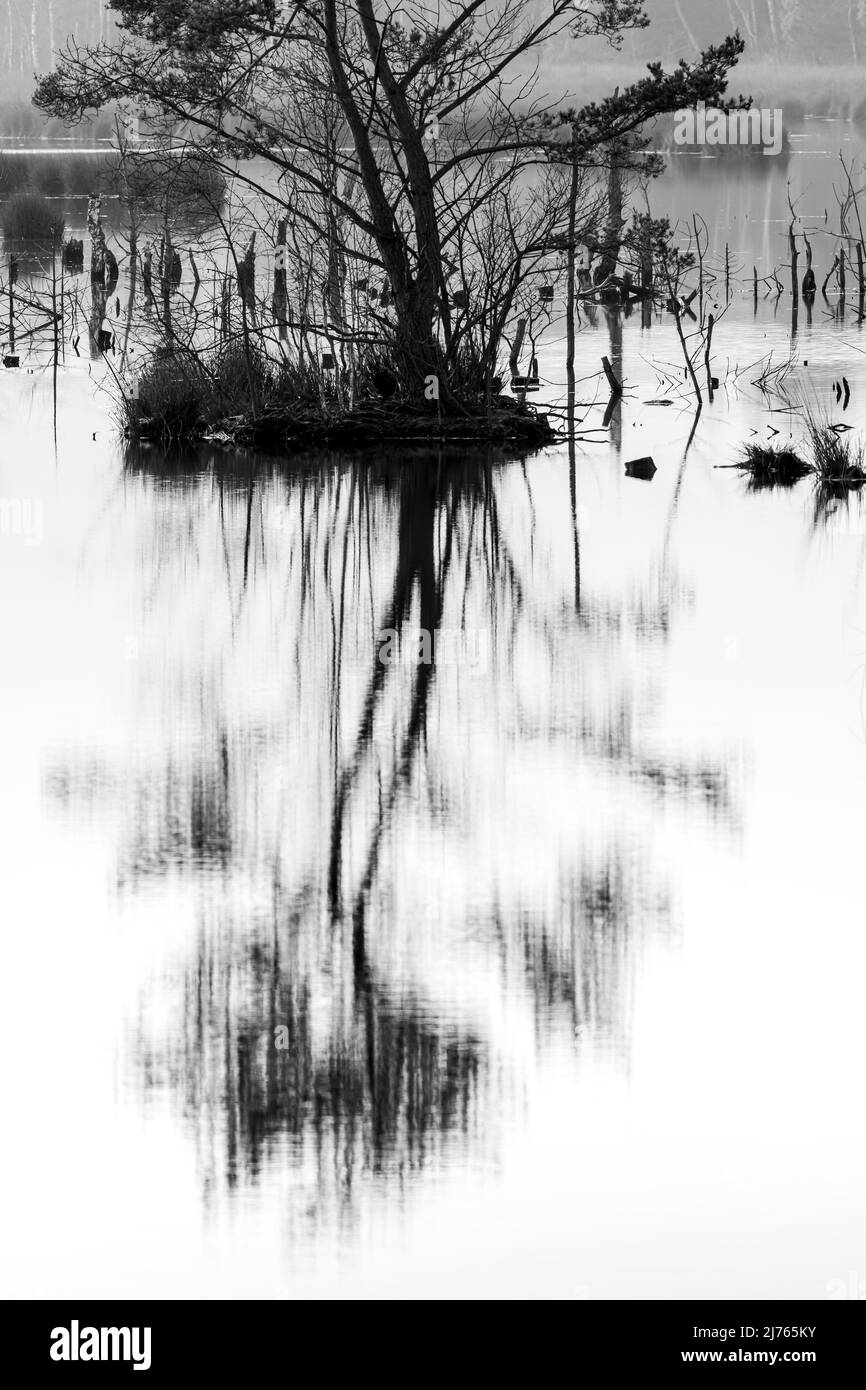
{"type": "Point", "coordinates": [769, 467]}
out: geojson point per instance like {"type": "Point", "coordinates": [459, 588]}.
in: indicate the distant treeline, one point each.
{"type": "Point", "coordinates": [54, 176]}
{"type": "Point", "coordinates": [822, 31]}
{"type": "Point", "coordinates": [31, 30]}
{"type": "Point", "coordinates": [813, 31]}
{"type": "Point", "coordinates": [20, 120]}
{"type": "Point", "coordinates": [191, 185]}
{"type": "Point", "coordinates": [795, 31]}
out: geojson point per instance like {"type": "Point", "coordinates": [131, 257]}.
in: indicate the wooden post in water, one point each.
{"type": "Point", "coordinates": [700, 266]}
{"type": "Point", "coordinates": [54, 314]}
{"type": "Point", "coordinates": [55, 323]}
{"type": "Point", "coordinates": [13, 276]}
{"type": "Point", "coordinates": [62, 303]}
{"type": "Point", "coordinates": [829, 276]}
{"type": "Point", "coordinates": [517, 348]}
{"type": "Point", "coordinates": [130, 304]}
{"type": "Point", "coordinates": [647, 279]}
{"type": "Point", "coordinates": [795, 260]}
{"type": "Point", "coordinates": [98, 265]}
{"type": "Point", "coordinates": [711, 322]}
{"type": "Point", "coordinates": [165, 267]}
{"type": "Point", "coordinates": [612, 237]}
{"type": "Point", "coordinates": [570, 298]}
{"type": "Point", "coordinates": [612, 380]}
{"type": "Point", "coordinates": [280, 302]}
{"type": "Point", "coordinates": [226, 308]}
{"type": "Point", "coordinates": [247, 283]}
{"type": "Point", "coordinates": [246, 272]}
{"type": "Point", "coordinates": [809, 282]}
{"type": "Point", "coordinates": [196, 280]}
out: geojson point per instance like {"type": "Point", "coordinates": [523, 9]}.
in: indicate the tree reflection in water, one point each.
{"type": "Point", "coordinates": [408, 868]}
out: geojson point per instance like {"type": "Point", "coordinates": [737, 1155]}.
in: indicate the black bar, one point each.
{"type": "Point", "coordinates": [249, 1338]}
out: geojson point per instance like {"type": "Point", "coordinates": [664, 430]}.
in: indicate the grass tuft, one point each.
{"type": "Point", "coordinates": [768, 467]}
{"type": "Point", "coordinates": [173, 392]}
{"type": "Point", "coordinates": [181, 394]}
{"type": "Point", "coordinates": [837, 460]}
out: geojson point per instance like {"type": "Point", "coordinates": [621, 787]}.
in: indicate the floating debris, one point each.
{"type": "Point", "coordinates": [644, 469]}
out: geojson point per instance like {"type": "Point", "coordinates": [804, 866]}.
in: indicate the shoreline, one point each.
{"type": "Point", "coordinates": [515, 426]}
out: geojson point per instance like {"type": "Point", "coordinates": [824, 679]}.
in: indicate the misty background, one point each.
{"type": "Point", "coordinates": [790, 31]}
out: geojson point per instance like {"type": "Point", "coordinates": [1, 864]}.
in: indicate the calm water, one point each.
{"type": "Point", "coordinates": [564, 932]}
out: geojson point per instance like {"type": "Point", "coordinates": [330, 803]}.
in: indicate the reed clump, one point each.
{"type": "Point", "coordinates": [238, 395]}
{"type": "Point", "coordinates": [837, 459]}
{"type": "Point", "coordinates": [832, 455]}
{"type": "Point", "coordinates": [173, 392]}
{"type": "Point", "coordinates": [770, 467]}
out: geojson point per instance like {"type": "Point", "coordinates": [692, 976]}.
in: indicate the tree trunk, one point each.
{"type": "Point", "coordinates": [98, 262]}
{"type": "Point", "coordinates": [415, 297]}
{"type": "Point", "coordinates": [280, 301]}
{"type": "Point", "coordinates": [570, 295]}
{"type": "Point", "coordinates": [613, 229]}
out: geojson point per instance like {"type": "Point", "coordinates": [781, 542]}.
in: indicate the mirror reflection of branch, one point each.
{"type": "Point", "coordinates": [415, 565]}
{"type": "Point", "coordinates": [364, 1082]}
{"type": "Point", "coordinates": [235, 802]}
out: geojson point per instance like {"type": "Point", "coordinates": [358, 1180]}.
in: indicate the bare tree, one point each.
{"type": "Point", "coordinates": [441, 126]}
